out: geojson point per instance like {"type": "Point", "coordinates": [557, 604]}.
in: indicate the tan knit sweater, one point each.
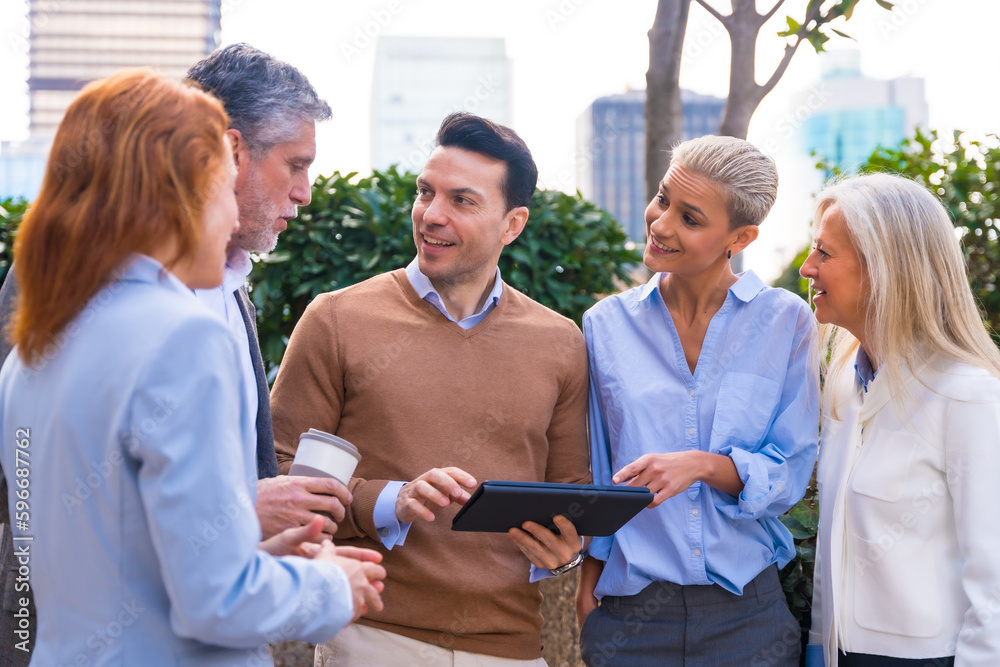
{"type": "Point", "coordinates": [382, 368]}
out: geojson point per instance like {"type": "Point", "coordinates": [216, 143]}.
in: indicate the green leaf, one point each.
{"type": "Point", "coordinates": [817, 39]}
{"type": "Point", "coordinates": [793, 28]}
{"type": "Point", "coordinates": [884, 4]}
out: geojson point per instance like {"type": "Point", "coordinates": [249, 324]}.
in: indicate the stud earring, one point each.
{"type": "Point", "coordinates": [729, 254]}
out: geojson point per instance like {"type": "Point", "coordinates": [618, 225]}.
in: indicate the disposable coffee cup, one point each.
{"type": "Point", "coordinates": [324, 455]}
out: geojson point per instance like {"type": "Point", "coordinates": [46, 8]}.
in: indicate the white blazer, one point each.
{"type": "Point", "coordinates": [908, 554]}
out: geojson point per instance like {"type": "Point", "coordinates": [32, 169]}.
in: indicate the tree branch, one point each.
{"type": "Point", "coordinates": [711, 10]}
{"type": "Point", "coordinates": [800, 37]}
{"type": "Point", "coordinates": [769, 14]}
{"type": "Point", "coordinates": [780, 70]}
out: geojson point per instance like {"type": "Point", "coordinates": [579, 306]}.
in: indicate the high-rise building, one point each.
{"type": "Point", "coordinates": [851, 114]}
{"type": "Point", "coordinates": [420, 80]}
{"type": "Point", "coordinates": [611, 151]}
{"type": "Point", "coordinates": [74, 42]}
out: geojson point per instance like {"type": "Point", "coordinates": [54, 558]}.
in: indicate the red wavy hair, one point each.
{"type": "Point", "coordinates": [131, 167]}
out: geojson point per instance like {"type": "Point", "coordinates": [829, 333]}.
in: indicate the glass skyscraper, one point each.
{"type": "Point", "coordinates": [611, 151]}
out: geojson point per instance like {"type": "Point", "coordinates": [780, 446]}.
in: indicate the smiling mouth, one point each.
{"type": "Point", "coordinates": [436, 242]}
{"type": "Point", "coordinates": [662, 247]}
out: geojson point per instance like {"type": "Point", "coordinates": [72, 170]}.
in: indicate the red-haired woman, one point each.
{"type": "Point", "coordinates": [123, 428]}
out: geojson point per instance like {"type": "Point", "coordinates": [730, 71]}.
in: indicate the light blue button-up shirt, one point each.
{"type": "Point", "coordinates": [754, 396]}
{"type": "Point", "coordinates": [140, 481]}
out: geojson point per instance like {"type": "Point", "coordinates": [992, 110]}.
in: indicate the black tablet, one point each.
{"type": "Point", "coordinates": [496, 507]}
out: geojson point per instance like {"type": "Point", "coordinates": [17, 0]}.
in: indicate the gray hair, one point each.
{"type": "Point", "coordinates": [918, 299]}
{"type": "Point", "coordinates": [747, 177]}
{"type": "Point", "coordinates": [262, 95]}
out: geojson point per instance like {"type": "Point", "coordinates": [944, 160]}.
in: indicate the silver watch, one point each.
{"type": "Point", "coordinates": [563, 569]}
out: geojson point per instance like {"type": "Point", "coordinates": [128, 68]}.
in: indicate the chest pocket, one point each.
{"type": "Point", "coordinates": [743, 412]}
{"type": "Point", "coordinates": [883, 468]}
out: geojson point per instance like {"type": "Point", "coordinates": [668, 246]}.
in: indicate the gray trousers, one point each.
{"type": "Point", "coordinates": [695, 626]}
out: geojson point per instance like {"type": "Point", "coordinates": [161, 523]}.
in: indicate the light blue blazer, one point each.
{"type": "Point", "coordinates": [137, 520]}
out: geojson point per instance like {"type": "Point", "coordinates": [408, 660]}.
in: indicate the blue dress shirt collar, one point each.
{"type": "Point", "coordinates": [425, 290]}
{"type": "Point", "coordinates": [863, 368]}
{"type": "Point", "coordinates": [745, 288]}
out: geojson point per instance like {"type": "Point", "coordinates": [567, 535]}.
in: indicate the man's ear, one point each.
{"type": "Point", "coordinates": [241, 153]}
{"type": "Point", "coordinates": [516, 219]}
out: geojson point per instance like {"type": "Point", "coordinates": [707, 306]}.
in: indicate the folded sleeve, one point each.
{"type": "Point", "coordinates": [191, 419]}
{"type": "Point", "coordinates": [775, 474]}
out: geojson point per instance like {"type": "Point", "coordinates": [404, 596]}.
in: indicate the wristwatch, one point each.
{"type": "Point", "coordinates": [563, 569]}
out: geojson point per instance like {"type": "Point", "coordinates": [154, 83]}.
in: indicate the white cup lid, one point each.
{"type": "Point", "coordinates": [322, 436]}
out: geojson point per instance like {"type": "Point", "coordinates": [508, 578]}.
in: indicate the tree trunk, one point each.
{"type": "Point", "coordinates": [663, 92]}
{"type": "Point", "coordinates": [744, 93]}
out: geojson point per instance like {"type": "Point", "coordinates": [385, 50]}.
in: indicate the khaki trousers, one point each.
{"type": "Point", "coordinates": [361, 646]}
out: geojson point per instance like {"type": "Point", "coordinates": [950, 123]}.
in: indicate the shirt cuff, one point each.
{"type": "Point", "coordinates": [814, 655]}
{"type": "Point", "coordinates": [390, 531]}
{"type": "Point", "coordinates": [539, 573]}
{"type": "Point", "coordinates": [757, 492]}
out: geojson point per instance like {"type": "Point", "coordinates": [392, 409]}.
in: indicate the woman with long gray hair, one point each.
{"type": "Point", "coordinates": [907, 566]}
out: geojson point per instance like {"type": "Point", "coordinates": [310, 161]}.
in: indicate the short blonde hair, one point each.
{"type": "Point", "coordinates": [918, 301]}
{"type": "Point", "coordinates": [747, 177]}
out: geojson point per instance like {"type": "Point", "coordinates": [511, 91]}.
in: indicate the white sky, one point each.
{"type": "Point", "coordinates": [566, 53]}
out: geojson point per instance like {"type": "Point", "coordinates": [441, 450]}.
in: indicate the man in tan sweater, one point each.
{"type": "Point", "coordinates": [444, 376]}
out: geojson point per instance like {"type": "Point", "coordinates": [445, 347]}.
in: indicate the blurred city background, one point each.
{"type": "Point", "coordinates": [561, 72]}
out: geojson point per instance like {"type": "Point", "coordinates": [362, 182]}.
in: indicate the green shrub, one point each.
{"type": "Point", "coordinates": [569, 252]}
{"type": "Point", "coordinates": [11, 212]}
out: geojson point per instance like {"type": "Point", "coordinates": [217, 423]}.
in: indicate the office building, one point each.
{"type": "Point", "coordinates": [420, 80]}
{"type": "Point", "coordinates": [73, 42]}
{"type": "Point", "coordinates": [850, 115]}
{"type": "Point", "coordinates": [611, 151]}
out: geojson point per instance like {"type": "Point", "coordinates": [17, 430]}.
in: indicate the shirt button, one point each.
{"type": "Point", "coordinates": [694, 512]}
{"type": "Point", "coordinates": [383, 532]}
{"type": "Point", "coordinates": [690, 431]}
{"type": "Point", "coordinates": [697, 552]}
{"type": "Point", "coordinates": [692, 392]}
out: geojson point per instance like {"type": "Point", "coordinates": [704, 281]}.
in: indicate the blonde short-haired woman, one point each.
{"type": "Point", "coordinates": [704, 389]}
{"type": "Point", "coordinates": [908, 562]}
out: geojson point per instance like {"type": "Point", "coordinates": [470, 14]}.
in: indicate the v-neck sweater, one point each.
{"type": "Point", "coordinates": [380, 367]}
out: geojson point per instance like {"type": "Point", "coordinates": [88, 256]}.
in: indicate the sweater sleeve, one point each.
{"type": "Point", "coordinates": [309, 393]}
{"type": "Point", "coordinates": [568, 460]}
{"type": "Point", "coordinates": [309, 390]}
